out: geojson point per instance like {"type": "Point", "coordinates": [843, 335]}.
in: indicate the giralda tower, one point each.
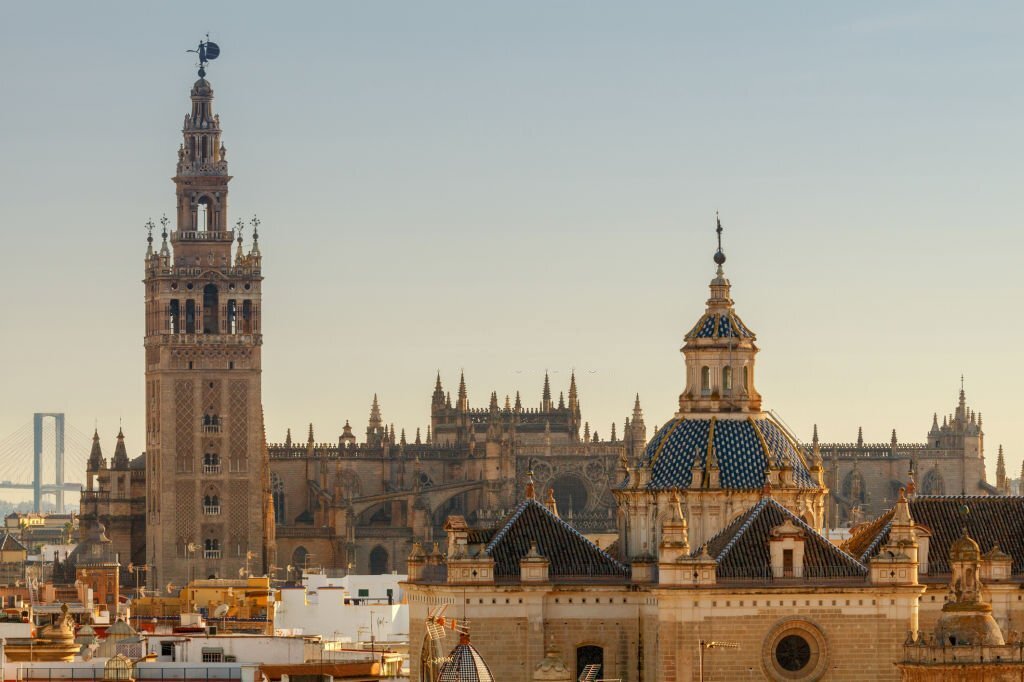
{"type": "Point", "coordinates": [206, 457]}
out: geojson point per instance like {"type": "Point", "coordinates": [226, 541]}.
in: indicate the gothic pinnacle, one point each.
{"type": "Point", "coordinates": [546, 393]}
{"type": "Point", "coordinates": [310, 439]}
{"type": "Point", "coordinates": [418, 441]}
{"type": "Point", "coordinates": [574, 399]}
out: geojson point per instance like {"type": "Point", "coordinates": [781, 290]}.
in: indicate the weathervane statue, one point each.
{"type": "Point", "coordinates": [207, 51]}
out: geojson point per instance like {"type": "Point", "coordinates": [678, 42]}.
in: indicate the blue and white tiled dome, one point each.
{"type": "Point", "coordinates": [743, 448]}
{"type": "Point", "coordinates": [717, 325]}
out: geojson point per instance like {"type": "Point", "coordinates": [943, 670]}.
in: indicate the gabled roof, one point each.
{"type": "Point", "coordinates": [989, 520]}
{"type": "Point", "coordinates": [570, 553]}
{"type": "Point", "coordinates": [741, 548]}
{"type": "Point", "coordinates": [9, 543]}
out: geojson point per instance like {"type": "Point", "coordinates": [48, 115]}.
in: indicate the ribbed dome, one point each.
{"type": "Point", "coordinates": [742, 449]}
{"type": "Point", "coordinates": [465, 664]}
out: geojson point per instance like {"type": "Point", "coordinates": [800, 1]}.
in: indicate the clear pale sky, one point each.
{"type": "Point", "coordinates": [509, 187]}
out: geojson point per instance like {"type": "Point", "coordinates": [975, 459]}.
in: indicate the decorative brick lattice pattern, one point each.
{"type": "Point", "coordinates": [238, 423]}
{"type": "Point", "coordinates": [185, 513]}
{"type": "Point", "coordinates": [211, 397]}
{"type": "Point", "coordinates": [238, 504]}
{"type": "Point", "coordinates": [185, 425]}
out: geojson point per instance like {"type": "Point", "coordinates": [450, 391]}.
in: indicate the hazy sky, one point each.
{"type": "Point", "coordinates": [509, 187]}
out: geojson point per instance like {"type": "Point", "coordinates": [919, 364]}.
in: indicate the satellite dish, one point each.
{"type": "Point", "coordinates": [170, 588]}
{"type": "Point", "coordinates": [191, 547]}
{"type": "Point", "coordinates": [241, 572]}
{"type": "Point", "coordinates": [131, 567]}
{"type": "Point", "coordinates": [220, 611]}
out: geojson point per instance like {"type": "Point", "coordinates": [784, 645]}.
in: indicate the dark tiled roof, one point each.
{"type": "Point", "coordinates": [741, 548]}
{"type": "Point", "coordinates": [9, 543]}
{"type": "Point", "coordinates": [569, 552]}
{"type": "Point", "coordinates": [989, 520]}
{"type": "Point", "coordinates": [866, 537]}
{"type": "Point", "coordinates": [743, 449]}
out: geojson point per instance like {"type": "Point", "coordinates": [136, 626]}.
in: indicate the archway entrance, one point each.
{"type": "Point", "coordinates": [589, 655]}
{"type": "Point", "coordinates": [378, 561]}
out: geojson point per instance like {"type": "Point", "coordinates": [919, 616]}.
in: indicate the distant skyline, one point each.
{"type": "Point", "coordinates": [509, 189]}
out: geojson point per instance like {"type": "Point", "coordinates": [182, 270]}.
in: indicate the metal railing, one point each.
{"type": "Point", "coordinates": [211, 553]}
{"type": "Point", "coordinates": [211, 510]}
{"type": "Point", "coordinates": [147, 672]}
{"type": "Point", "coordinates": [211, 468]}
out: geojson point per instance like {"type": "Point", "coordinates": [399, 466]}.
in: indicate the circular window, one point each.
{"type": "Point", "coordinates": [795, 650]}
{"type": "Point", "coordinates": [189, 286]}
{"type": "Point", "coordinates": [248, 286]}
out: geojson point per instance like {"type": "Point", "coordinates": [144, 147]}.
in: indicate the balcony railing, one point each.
{"type": "Point", "coordinates": [211, 510]}
{"type": "Point", "coordinates": [211, 553]}
{"type": "Point", "coordinates": [211, 468]}
{"type": "Point", "coordinates": [202, 236]}
{"type": "Point", "coordinates": [211, 428]}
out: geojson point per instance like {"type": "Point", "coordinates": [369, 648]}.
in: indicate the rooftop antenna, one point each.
{"type": "Point", "coordinates": [207, 51]}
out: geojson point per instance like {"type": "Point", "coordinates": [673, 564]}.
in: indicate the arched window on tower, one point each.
{"type": "Point", "coordinates": [211, 309]}
{"type": "Point", "coordinates": [727, 379]}
{"type": "Point", "coordinates": [204, 213]}
{"type": "Point", "coordinates": [190, 316]}
{"type": "Point", "coordinates": [211, 548]}
{"type": "Point", "coordinates": [705, 380]}
{"type": "Point", "coordinates": [746, 378]}
{"type": "Point", "coordinates": [211, 505]}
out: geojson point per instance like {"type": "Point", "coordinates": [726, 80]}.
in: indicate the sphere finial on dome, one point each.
{"type": "Point", "coordinates": [719, 254]}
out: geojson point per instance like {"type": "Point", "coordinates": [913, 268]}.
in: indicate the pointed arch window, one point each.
{"type": "Point", "coordinates": [705, 380]}
{"type": "Point", "coordinates": [211, 548]}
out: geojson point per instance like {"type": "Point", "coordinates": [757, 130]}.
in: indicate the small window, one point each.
{"type": "Point", "coordinates": [364, 592]}
{"type": "Point", "coordinates": [167, 650]}
{"type": "Point", "coordinates": [727, 379]}
{"type": "Point", "coordinates": [746, 378]}
{"type": "Point", "coordinates": [705, 380]}
{"type": "Point", "coordinates": [213, 655]}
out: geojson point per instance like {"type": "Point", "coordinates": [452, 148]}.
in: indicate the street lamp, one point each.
{"type": "Point", "coordinates": [706, 644]}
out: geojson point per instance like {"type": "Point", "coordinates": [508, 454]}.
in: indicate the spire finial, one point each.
{"type": "Point", "coordinates": [149, 236]}
{"type": "Point", "coordinates": [719, 254]}
{"type": "Point", "coordinates": [255, 222]}
{"type": "Point", "coordinates": [207, 51]}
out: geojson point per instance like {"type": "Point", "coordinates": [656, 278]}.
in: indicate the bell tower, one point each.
{"type": "Point", "coordinates": [207, 471]}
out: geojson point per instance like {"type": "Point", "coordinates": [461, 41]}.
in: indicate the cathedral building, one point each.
{"type": "Point", "coordinates": [720, 565]}
{"type": "Point", "coordinates": [864, 478]}
{"type": "Point", "coordinates": [360, 506]}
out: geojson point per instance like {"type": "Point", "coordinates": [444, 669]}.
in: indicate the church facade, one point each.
{"type": "Point", "coordinates": [721, 569]}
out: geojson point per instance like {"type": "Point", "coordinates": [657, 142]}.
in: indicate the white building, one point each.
{"type": "Point", "coordinates": [355, 608]}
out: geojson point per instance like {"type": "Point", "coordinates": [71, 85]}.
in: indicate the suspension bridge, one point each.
{"type": "Point", "coordinates": [39, 453]}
